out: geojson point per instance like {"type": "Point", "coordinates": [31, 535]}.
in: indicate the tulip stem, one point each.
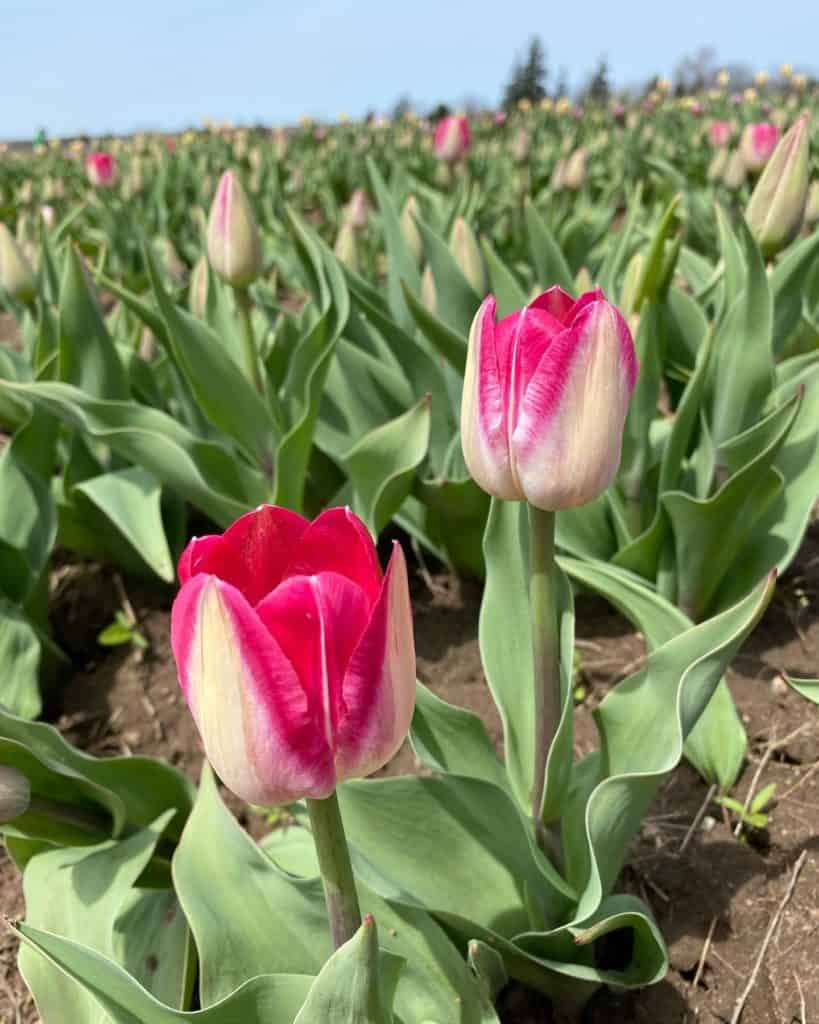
{"type": "Point", "coordinates": [244, 306]}
{"type": "Point", "coordinates": [336, 871]}
{"type": "Point", "coordinates": [546, 656]}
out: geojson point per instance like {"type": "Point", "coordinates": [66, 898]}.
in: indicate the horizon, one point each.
{"type": "Point", "coordinates": [97, 71]}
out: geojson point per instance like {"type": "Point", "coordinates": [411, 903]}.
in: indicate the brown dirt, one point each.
{"type": "Point", "coordinates": [123, 700]}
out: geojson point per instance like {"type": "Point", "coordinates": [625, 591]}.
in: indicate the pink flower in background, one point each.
{"type": "Point", "coordinates": [451, 140]}
{"type": "Point", "coordinates": [546, 392]}
{"type": "Point", "coordinates": [720, 133]}
{"type": "Point", "coordinates": [295, 652]}
{"type": "Point", "coordinates": [499, 117]}
{"type": "Point", "coordinates": [758, 143]}
{"type": "Point", "coordinates": [101, 169]}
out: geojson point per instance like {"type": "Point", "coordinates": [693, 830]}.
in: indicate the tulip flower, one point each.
{"type": "Point", "coordinates": [777, 206]}
{"type": "Point", "coordinates": [735, 171]}
{"type": "Point", "coordinates": [812, 205]}
{"type": "Point", "coordinates": [234, 246]}
{"type": "Point", "coordinates": [575, 171]}
{"type": "Point", "coordinates": [357, 210]}
{"type": "Point", "coordinates": [757, 144]}
{"type": "Point", "coordinates": [451, 140]}
{"type": "Point", "coordinates": [546, 392]}
{"type": "Point", "coordinates": [467, 253]}
{"type": "Point", "coordinates": [295, 654]}
{"type": "Point", "coordinates": [16, 276]}
{"type": "Point", "coordinates": [346, 248]}
{"type": "Point", "coordinates": [720, 133]}
{"type": "Point", "coordinates": [101, 169]}
{"type": "Point", "coordinates": [409, 228]}
{"type": "Point", "coordinates": [15, 793]}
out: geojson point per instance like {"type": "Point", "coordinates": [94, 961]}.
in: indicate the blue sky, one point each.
{"type": "Point", "coordinates": [97, 67]}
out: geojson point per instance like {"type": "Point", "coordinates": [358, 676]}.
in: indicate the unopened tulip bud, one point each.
{"type": "Point", "coordinates": [198, 289]}
{"type": "Point", "coordinates": [718, 165]}
{"type": "Point", "coordinates": [631, 284]}
{"type": "Point", "coordinates": [429, 295]}
{"type": "Point", "coordinates": [358, 209]}
{"type": "Point", "coordinates": [345, 248]}
{"type": "Point", "coordinates": [545, 397]}
{"type": "Point", "coordinates": [234, 246]}
{"type": "Point", "coordinates": [15, 793]}
{"type": "Point", "coordinates": [409, 229]}
{"type": "Point", "coordinates": [295, 652]}
{"type": "Point", "coordinates": [16, 276]}
{"type": "Point", "coordinates": [735, 171]}
{"type": "Point", "coordinates": [812, 205]}
{"type": "Point", "coordinates": [464, 247]}
{"type": "Point", "coordinates": [558, 179]}
{"type": "Point", "coordinates": [777, 206]}
{"type": "Point", "coordinates": [575, 170]}
{"type": "Point", "coordinates": [720, 133]}
{"type": "Point", "coordinates": [521, 146]}
{"type": "Point", "coordinates": [757, 144]}
{"type": "Point", "coordinates": [452, 138]}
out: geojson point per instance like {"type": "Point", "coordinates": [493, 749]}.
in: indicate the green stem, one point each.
{"type": "Point", "coordinates": [546, 656]}
{"type": "Point", "coordinates": [336, 871]}
{"type": "Point", "coordinates": [248, 338]}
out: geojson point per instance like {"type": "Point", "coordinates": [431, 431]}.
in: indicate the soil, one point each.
{"type": "Point", "coordinates": [714, 894]}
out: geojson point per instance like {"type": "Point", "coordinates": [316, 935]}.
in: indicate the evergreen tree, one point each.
{"type": "Point", "coordinates": [528, 78]}
{"type": "Point", "coordinates": [599, 89]}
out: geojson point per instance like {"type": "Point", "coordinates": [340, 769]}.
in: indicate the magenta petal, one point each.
{"type": "Point", "coordinates": [484, 423]}
{"type": "Point", "coordinates": [338, 541]}
{"type": "Point", "coordinates": [251, 710]}
{"type": "Point", "coordinates": [596, 295]}
{"type": "Point", "coordinates": [200, 554]}
{"type": "Point", "coordinates": [317, 622]}
{"type": "Point", "coordinates": [379, 685]}
{"type": "Point", "coordinates": [262, 542]}
{"type": "Point", "coordinates": [554, 301]}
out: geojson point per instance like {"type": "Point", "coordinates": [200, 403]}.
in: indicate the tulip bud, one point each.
{"type": "Point", "coordinates": [358, 209]}
{"type": "Point", "coordinates": [558, 179]}
{"type": "Point", "coordinates": [295, 652]}
{"type": "Point", "coordinates": [464, 247]}
{"type": "Point", "coordinates": [777, 205]}
{"type": "Point", "coordinates": [735, 171]}
{"type": "Point", "coordinates": [719, 164]}
{"type": "Point", "coordinates": [631, 284]}
{"type": "Point", "coordinates": [429, 295]}
{"type": "Point", "coordinates": [812, 205]}
{"type": "Point", "coordinates": [15, 793]}
{"type": "Point", "coordinates": [757, 144]}
{"type": "Point", "coordinates": [545, 397]}
{"type": "Point", "coordinates": [452, 138]}
{"type": "Point", "coordinates": [16, 276]}
{"type": "Point", "coordinates": [101, 169]}
{"type": "Point", "coordinates": [345, 247]}
{"type": "Point", "coordinates": [521, 146]}
{"type": "Point", "coordinates": [409, 229]}
{"type": "Point", "coordinates": [575, 173]}
{"type": "Point", "coordinates": [234, 246]}
{"type": "Point", "coordinates": [720, 133]}
{"type": "Point", "coordinates": [198, 289]}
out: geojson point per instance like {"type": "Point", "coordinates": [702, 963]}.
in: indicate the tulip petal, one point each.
{"type": "Point", "coordinates": [484, 436]}
{"type": "Point", "coordinates": [554, 301]}
{"type": "Point", "coordinates": [248, 703]}
{"type": "Point", "coordinates": [568, 436]}
{"type": "Point", "coordinates": [338, 541]}
{"type": "Point", "coordinates": [251, 554]}
{"type": "Point", "coordinates": [317, 622]}
{"type": "Point", "coordinates": [379, 685]}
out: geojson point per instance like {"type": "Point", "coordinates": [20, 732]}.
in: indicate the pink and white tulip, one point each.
{"type": "Point", "coordinates": [546, 392]}
{"type": "Point", "coordinates": [101, 169]}
{"type": "Point", "coordinates": [294, 652]}
{"type": "Point", "coordinates": [233, 242]}
{"type": "Point", "coordinates": [720, 133]}
{"type": "Point", "coordinates": [452, 138]}
{"type": "Point", "coordinates": [758, 143]}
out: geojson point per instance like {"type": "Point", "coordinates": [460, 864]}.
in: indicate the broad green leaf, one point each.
{"type": "Point", "coordinates": [549, 262]}
{"type": "Point", "coordinates": [809, 688]}
{"type": "Point", "coordinates": [456, 300]}
{"type": "Point", "coordinates": [401, 266]}
{"type": "Point", "coordinates": [508, 293]}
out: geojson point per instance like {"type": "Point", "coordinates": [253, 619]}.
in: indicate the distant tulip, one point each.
{"type": "Point", "coordinates": [345, 248]}
{"type": "Point", "coordinates": [234, 246]}
{"type": "Point", "coordinates": [558, 179]}
{"type": "Point", "coordinates": [521, 147]}
{"type": "Point", "coordinates": [812, 205]}
{"type": "Point", "coordinates": [409, 228]}
{"type": "Point", "coordinates": [467, 253]}
{"type": "Point", "coordinates": [546, 392]}
{"type": "Point", "coordinates": [735, 171]}
{"type": "Point", "coordinates": [198, 288]}
{"type": "Point", "coordinates": [757, 144]}
{"type": "Point", "coordinates": [777, 206]}
{"type": "Point", "coordinates": [16, 276]}
{"type": "Point", "coordinates": [294, 652]}
{"type": "Point", "coordinates": [575, 173]}
{"type": "Point", "coordinates": [719, 164]}
{"type": "Point", "coordinates": [429, 294]}
{"type": "Point", "coordinates": [358, 209]}
{"type": "Point", "coordinates": [452, 137]}
{"type": "Point", "coordinates": [101, 169]}
{"type": "Point", "coordinates": [720, 133]}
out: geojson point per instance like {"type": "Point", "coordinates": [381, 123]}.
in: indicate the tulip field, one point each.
{"type": "Point", "coordinates": [409, 568]}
